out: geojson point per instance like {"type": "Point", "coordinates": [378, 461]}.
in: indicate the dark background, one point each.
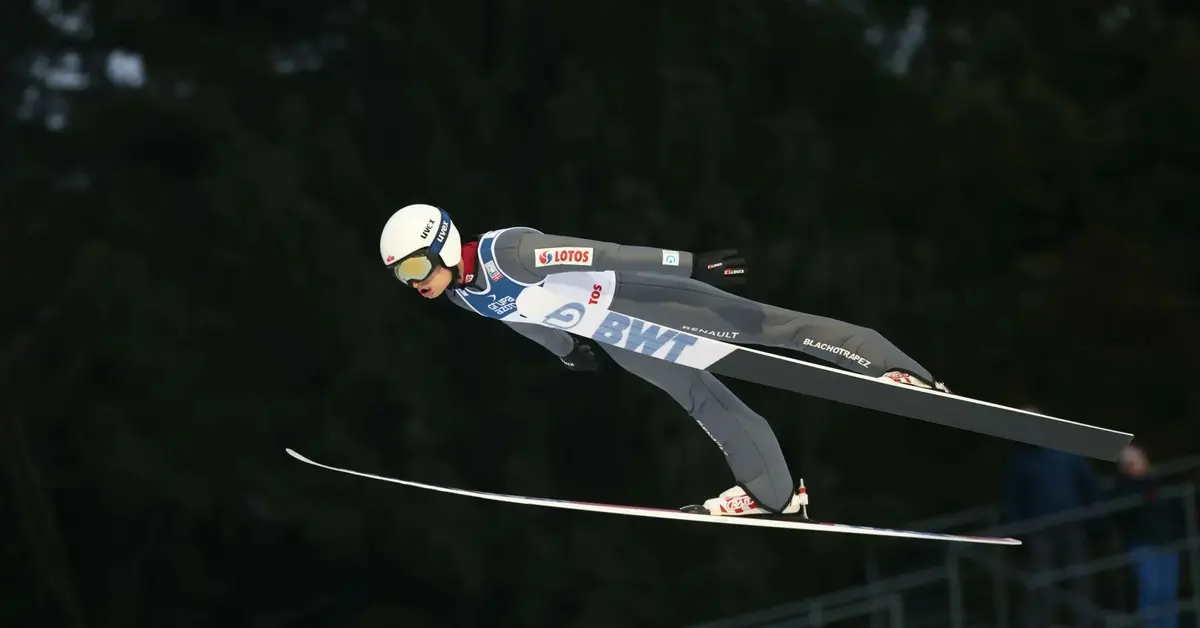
{"type": "Point", "coordinates": [191, 284]}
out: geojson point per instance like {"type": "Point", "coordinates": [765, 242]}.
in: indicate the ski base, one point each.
{"type": "Point", "coordinates": [792, 522]}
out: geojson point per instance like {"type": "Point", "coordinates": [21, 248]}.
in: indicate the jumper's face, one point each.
{"type": "Point", "coordinates": [435, 284]}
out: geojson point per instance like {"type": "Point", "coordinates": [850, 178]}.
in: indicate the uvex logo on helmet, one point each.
{"type": "Point", "coordinates": [581, 256]}
{"type": "Point", "coordinates": [442, 231]}
{"type": "Point", "coordinates": [427, 229]}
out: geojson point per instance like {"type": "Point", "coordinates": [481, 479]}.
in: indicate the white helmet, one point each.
{"type": "Point", "coordinates": [416, 238]}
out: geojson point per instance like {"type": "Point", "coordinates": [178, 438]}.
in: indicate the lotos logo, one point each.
{"type": "Point", "coordinates": [390, 259]}
{"type": "Point", "coordinates": [581, 256]}
{"type": "Point", "coordinates": [427, 229]}
{"type": "Point", "coordinates": [594, 298]}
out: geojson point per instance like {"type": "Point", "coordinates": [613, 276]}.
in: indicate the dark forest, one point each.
{"type": "Point", "coordinates": [192, 198]}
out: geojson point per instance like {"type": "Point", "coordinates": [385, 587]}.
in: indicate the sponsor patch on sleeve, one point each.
{"type": "Point", "coordinates": [670, 258]}
{"type": "Point", "coordinates": [563, 256]}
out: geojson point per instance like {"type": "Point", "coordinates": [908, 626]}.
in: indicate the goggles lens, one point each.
{"type": "Point", "coordinates": [416, 268]}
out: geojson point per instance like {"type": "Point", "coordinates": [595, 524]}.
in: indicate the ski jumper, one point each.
{"type": "Point", "coordinates": [655, 284]}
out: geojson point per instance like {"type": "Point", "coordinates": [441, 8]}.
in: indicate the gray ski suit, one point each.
{"type": "Point", "coordinates": [647, 288]}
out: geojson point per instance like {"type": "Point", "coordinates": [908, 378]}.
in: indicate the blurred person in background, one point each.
{"type": "Point", "coordinates": [1043, 482]}
{"type": "Point", "coordinates": [1146, 531]}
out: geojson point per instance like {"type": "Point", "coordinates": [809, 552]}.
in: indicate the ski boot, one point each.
{"type": "Point", "coordinates": [735, 502]}
{"type": "Point", "coordinates": [908, 379]}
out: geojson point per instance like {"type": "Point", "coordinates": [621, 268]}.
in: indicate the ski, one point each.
{"type": "Point", "coordinates": [544, 307]}
{"type": "Point", "coordinates": [780, 521]}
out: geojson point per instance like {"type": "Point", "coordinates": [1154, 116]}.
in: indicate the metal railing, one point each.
{"type": "Point", "coordinates": [991, 514]}
{"type": "Point", "coordinates": [1189, 546]}
{"type": "Point", "coordinates": [886, 597]}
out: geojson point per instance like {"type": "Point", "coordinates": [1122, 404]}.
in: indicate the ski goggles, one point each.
{"type": "Point", "coordinates": [417, 267]}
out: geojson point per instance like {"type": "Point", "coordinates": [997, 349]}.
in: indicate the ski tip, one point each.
{"type": "Point", "coordinates": [292, 453]}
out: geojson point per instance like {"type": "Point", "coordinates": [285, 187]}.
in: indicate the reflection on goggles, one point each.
{"type": "Point", "coordinates": [413, 269]}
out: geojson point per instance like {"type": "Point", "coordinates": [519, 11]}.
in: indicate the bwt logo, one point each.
{"type": "Point", "coordinates": [572, 256]}
{"type": "Point", "coordinates": [626, 332]}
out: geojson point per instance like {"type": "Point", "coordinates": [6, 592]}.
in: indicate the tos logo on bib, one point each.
{"type": "Point", "coordinates": [581, 256]}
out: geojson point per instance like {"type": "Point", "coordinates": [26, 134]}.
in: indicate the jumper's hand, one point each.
{"type": "Point", "coordinates": [580, 358]}
{"type": "Point", "coordinates": [720, 268]}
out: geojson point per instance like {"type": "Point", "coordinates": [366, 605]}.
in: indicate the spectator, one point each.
{"type": "Point", "coordinates": [1145, 531]}
{"type": "Point", "coordinates": [1043, 482]}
